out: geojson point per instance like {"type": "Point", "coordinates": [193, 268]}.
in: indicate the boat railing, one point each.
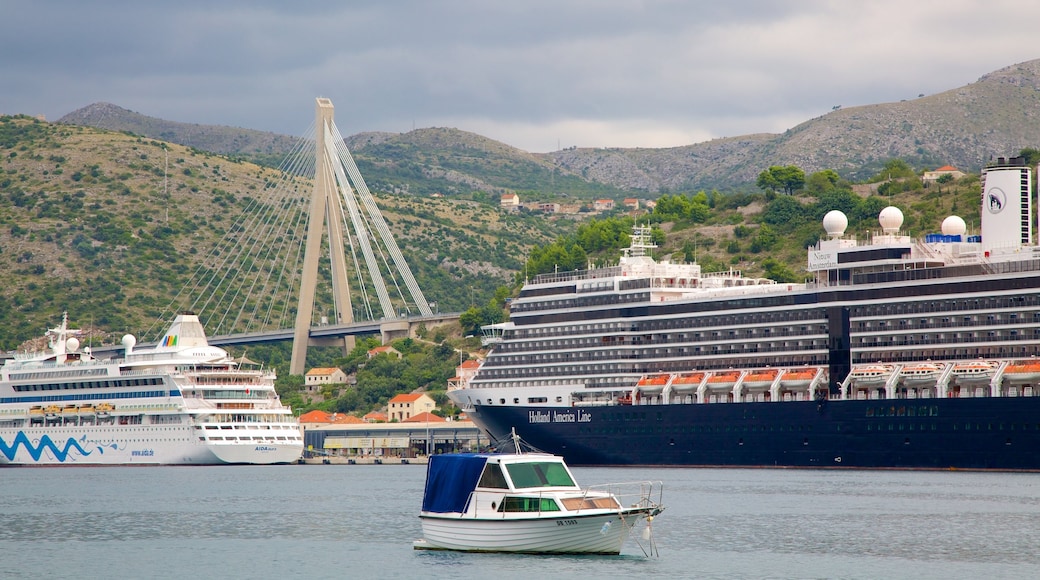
{"type": "Point", "coordinates": [631, 494]}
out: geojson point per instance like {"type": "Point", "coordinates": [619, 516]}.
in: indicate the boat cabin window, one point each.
{"type": "Point", "coordinates": [492, 477]}
{"type": "Point", "coordinates": [539, 474]}
{"type": "Point", "coordinates": [528, 504]}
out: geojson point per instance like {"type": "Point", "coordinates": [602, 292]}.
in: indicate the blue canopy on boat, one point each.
{"type": "Point", "coordinates": [450, 478]}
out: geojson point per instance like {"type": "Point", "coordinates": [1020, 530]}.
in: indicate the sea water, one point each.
{"type": "Point", "coordinates": [359, 521]}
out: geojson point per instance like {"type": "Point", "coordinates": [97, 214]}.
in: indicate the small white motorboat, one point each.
{"type": "Point", "coordinates": [529, 503]}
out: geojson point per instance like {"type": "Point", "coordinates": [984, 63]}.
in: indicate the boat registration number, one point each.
{"type": "Point", "coordinates": [566, 522]}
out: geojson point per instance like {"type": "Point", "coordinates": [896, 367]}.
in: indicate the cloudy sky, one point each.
{"type": "Point", "coordinates": [535, 74]}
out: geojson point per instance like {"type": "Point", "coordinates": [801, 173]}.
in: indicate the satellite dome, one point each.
{"type": "Point", "coordinates": [834, 223]}
{"type": "Point", "coordinates": [891, 219]}
{"type": "Point", "coordinates": [72, 344]}
{"type": "Point", "coordinates": [129, 341]}
{"type": "Point", "coordinates": [954, 226]}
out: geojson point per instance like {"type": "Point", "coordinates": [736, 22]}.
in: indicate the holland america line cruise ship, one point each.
{"type": "Point", "coordinates": [900, 353]}
{"type": "Point", "coordinates": [182, 402]}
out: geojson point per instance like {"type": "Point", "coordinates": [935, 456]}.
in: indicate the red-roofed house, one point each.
{"type": "Point", "coordinates": [631, 203]}
{"type": "Point", "coordinates": [944, 170]}
{"type": "Point", "coordinates": [424, 418]}
{"type": "Point", "coordinates": [344, 419]}
{"type": "Point", "coordinates": [603, 205]}
{"type": "Point", "coordinates": [402, 407]}
{"type": "Point", "coordinates": [374, 417]}
{"type": "Point", "coordinates": [314, 419]}
{"type": "Point", "coordinates": [509, 201]}
{"type": "Point", "coordinates": [463, 373]}
{"type": "Point", "coordinates": [385, 349]}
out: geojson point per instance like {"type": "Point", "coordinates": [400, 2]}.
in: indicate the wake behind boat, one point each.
{"type": "Point", "coordinates": [182, 402]}
{"type": "Point", "coordinates": [528, 503]}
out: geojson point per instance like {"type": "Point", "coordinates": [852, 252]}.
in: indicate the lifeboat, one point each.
{"type": "Point", "coordinates": [723, 379]}
{"type": "Point", "coordinates": [974, 371]}
{"type": "Point", "coordinates": [52, 411]}
{"type": "Point", "coordinates": [654, 381]}
{"type": "Point", "coordinates": [922, 373]}
{"type": "Point", "coordinates": [1023, 372]}
{"type": "Point", "coordinates": [103, 410]}
{"type": "Point", "coordinates": [687, 382]}
{"type": "Point", "coordinates": [871, 374]}
{"type": "Point", "coordinates": [652, 385]}
{"type": "Point", "coordinates": [798, 378]}
{"type": "Point", "coordinates": [757, 379]}
{"type": "Point", "coordinates": [86, 410]}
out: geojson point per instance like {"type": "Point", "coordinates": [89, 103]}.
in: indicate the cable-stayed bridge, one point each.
{"type": "Point", "coordinates": [264, 282]}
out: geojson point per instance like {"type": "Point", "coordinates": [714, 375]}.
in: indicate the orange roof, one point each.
{"type": "Point", "coordinates": [321, 372]}
{"type": "Point", "coordinates": [374, 416]}
{"type": "Point", "coordinates": [406, 398]}
{"type": "Point", "coordinates": [423, 418]}
{"type": "Point", "coordinates": [947, 168]}
{"type": "Point", "coordinates": [315, 416]}
{"type": "Point", "coordinates": [469, 364]}
{"type": "Point", "coordinates": [384, 348]}
{"type": "Point", "coordinates": [342, 418]}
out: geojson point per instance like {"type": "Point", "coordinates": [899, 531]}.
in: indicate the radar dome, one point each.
{"type": "Point", "coordinates": [834, 223]}
{"type": "Point", "coordinates": [72, 344]}
{"type": "Point", "coordinates": [891, 219]}
{"type": "Point", "coordinates": [129, 341]}
{"type": "Point", "coordinates": [954, 226]}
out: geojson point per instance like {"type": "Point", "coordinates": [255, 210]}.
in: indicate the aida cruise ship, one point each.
{"type": "Point", "coordinates": [182, 402]}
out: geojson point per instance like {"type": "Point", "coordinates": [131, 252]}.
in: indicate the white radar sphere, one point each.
{"type": "Point", "coordinates": [834, 223]}
{"type": "Point", "coordinates": [72, 344]}
{"type": "Point", "coordinates": [129, 341]}
{"type": "Point", "coordinates": [954, 226]}
{"type": "Point", "coordinates": [891, 219]}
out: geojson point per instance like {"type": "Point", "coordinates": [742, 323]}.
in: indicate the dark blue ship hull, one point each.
{"type": "Point", "coordinates": [960, 433]}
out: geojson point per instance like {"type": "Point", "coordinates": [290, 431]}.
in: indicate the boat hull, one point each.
{"type": "Point", "coordinates": [999, 433]}
{"type": "Point", "coordinates": [582, 534]}
{"type": "Point", "coordinates": [138, 445]}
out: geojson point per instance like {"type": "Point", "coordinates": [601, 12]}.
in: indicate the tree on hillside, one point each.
{"type": "Point", "coordinates": [695, 208]}
{"type": "Point", "coordinates": [788, 178]}
{"type": "Point", "coordinates": [1031, 155]}
{"type": "Point", "coordinates": [893, 169]}
{"type": "Point", "coordinates": [822, 182]}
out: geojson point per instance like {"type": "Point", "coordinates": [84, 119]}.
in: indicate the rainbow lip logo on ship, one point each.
{"type": "Point", "coordinates": [36, 451]}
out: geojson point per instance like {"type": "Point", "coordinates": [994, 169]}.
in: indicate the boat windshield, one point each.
{"type": "Point", "coordinates": [539, 474]}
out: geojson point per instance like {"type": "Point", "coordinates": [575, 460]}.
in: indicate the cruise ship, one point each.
{"type": "Point", "coordinates": [181, 402]}
{"type": "Point", "coordinates": [898, 353]}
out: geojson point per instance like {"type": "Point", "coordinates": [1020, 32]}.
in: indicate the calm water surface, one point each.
{"type": "Point", "coordinates": [355, 521]}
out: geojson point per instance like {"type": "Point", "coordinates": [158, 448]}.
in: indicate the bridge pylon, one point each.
{"type": "Point", "coordinates": [325, 210]}
{"type": "Point", "coordinates": [339, 194]}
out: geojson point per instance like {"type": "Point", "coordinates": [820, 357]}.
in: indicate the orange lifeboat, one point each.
{"type": "Point", "coordinates": [654, 381]}
{"type": "Point", "coordinates": [798, 378]}
{"type": "Point", "coordinates": [687, 382]}
{"type": "Point", "coordinates": [760, 378]}
{"type": "Point", "coordinates": [1023, 371]}
{"type": "Point", "coordinates": [723, 378]}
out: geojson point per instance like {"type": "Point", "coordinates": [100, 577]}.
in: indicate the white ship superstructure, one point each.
{"type": "Point", "coordinates": [181, 402]}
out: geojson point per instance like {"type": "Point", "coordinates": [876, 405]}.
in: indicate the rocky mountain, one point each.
{"type": "Point", "coordinates": [994, 116]}
{"type": "Point", "coordinates": [212, 138]}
